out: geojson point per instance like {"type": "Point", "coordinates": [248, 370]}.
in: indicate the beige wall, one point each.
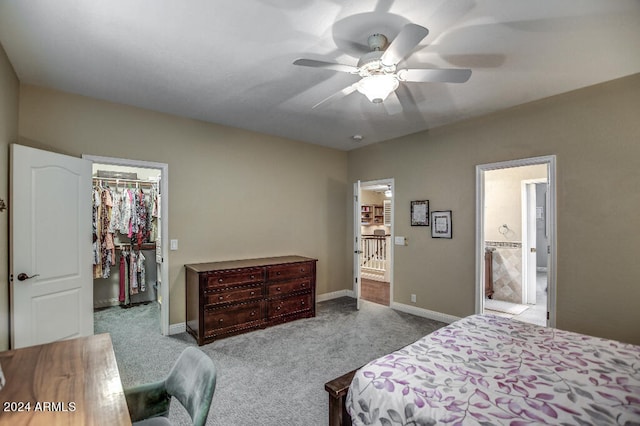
{"type": "Point", "coordinates": [8, 133]}
{"type": "Point", "coordinates": [240, 194]}
{"type": "Point", "coordinates": [595, 133]}
{"type": "Point", "coordinates": [232, 193]}
{"type": "Point", "coordinates": [503, 200]}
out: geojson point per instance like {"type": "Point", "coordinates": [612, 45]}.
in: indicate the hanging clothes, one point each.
{"type": "Point", "coordinates": [122, 278]}
{"type": "Point", "coordinates": [125, 212]}
{"type": "Point", "coordinates": [106, 239]}
{"type": "Point", "coordinates": [123, 217]}
{"type": "Point", "coordinates": [103, 241]}
{"type": "Point", "coordinates": [97, 257]}
{"type": "Point", "coordinates": [141, 218]}
{"type": "Point", "coordinates": [141, 272]}
{"type": "Point", "coordinates": [133, 274]}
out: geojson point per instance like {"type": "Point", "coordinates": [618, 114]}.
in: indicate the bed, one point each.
{"type": "Point", "coordinates": [486, 369]}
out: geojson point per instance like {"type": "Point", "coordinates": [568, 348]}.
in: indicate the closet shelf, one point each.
{"type": "Point", "coordinates": [117, 181]}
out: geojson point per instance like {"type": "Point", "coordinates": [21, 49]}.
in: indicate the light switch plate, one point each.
{"type": "Point", "coordinates": [174, 245]}
{"type": "Point", "coordinates": [400, 241]}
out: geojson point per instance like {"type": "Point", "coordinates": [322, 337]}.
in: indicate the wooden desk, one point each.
{"type": "Point", "coordinates": [68, 382]}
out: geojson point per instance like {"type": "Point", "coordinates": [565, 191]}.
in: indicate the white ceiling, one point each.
{"type": "Point", "coordinates": [230, 61]}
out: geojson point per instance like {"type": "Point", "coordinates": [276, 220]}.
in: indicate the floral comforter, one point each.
{"type": "Point", "coordinates": [488, 370]}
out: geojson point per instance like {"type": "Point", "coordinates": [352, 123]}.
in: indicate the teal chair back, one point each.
{"type": "Point", "coordinates": [192, 381]}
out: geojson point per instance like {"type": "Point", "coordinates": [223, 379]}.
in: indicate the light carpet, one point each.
{"type": "Point", "coordinates": [267, 377]}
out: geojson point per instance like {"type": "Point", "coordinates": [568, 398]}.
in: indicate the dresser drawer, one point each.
{"type": "Point", "coordinates": [288, 305]}
{"type": "Point", "coordinates": [231, 297]}
{"type": "Point", "coordinates": [229, 277]}
{"type": "Point", "coordinates": [284, 272]}
{"type": "Point", "coordinates": [235, 294]}
{"type": "Point", "coordinates": [231, 316]}
{"type": "Point", "coordinates": [283, 288]}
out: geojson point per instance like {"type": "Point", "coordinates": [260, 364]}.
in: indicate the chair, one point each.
{"type": "Point", "coordinates": [192, 381]}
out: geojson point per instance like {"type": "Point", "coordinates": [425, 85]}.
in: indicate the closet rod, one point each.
{"type": "Point", "coordinates": [119, 180]}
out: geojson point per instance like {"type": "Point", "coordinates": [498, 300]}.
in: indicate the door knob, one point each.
{"type": "Point", "coordinates": [22, 276]}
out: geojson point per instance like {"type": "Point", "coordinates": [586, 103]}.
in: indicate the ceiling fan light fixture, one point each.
{"type": "Point", "coordinates": [377, 87]}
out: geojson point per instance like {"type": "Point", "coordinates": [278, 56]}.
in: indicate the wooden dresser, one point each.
{"type": "Point", "coordinates": [233, 297]}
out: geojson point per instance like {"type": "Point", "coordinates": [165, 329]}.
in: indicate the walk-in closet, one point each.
{"type": "Point", "coordinates": [127, 255]}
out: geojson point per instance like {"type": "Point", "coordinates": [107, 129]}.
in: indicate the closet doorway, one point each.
{"type": "Point", "coordinates": [516, 239]}
{"type": "Point", "coordinates": [373, 252]}
{"type": "Point", "coordinates": [131, 280]}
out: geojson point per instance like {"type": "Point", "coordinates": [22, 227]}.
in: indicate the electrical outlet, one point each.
{"type": "Point", "coordinates": [413, 298]}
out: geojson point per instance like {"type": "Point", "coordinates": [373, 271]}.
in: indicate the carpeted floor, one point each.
{"type": "Point", "coordinates": [274, 376]}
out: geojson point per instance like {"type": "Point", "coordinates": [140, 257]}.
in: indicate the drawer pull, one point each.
{"type": "Point", "coordinates": [303, 303]}
{"type": "Point", "coordinates": [278, 289]}
{"type": "Point", "coordinates": [253, 293]}
{"type": "Point", "coordinates": [221, 320]}
{"type": "Point", "coordinates": [303, 285]}
{"type": "Point", "coordinates": [252, 276]}
{"type": "Point", "coordinates": [221, 298]}
{"type": "Point", "coordinates": [253, 313]}
{"type": "Point", "coordinates": [301, 269]}
{"type": "Point", "coordinates": [220, 280]}
{"type": "Point", "coordinates": [278, 273]}
{"type": "Point", "coordinates": [278, 308]}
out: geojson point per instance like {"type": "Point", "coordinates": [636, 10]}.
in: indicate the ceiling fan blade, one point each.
{"type": "Point", "coordinates": [392, 104]}
{"type": "Point", "coordinates": [403, 44]}
{"type": "Point", "coordinates": [341, 94]}
{"type": "Point", "coordinates": [450, 75]}
{"type": "Point", "coordinates": [326, 65]}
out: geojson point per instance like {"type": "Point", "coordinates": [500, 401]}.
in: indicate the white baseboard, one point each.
{"type": "Point", "coordinates": [105, 303]}
{"type": "Point", "coordinates": [425, 313]}
{"type": "Point", "coordinates": [178, 328]}
{"type": "Point", "coordinates": [414, 310]}
{"type": "Point", "coordinates": [334, 295]}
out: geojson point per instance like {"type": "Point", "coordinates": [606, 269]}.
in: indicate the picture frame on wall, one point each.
{"type": "Point", "coordinates": [441, 225]}
{"type": "Point", "coordinates": [420, 213]}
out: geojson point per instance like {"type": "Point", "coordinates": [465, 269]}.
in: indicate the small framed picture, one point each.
{"type": "Point", "coordinates": [441, 224]}
{"type": "Point", "coordinates": [420, 213]}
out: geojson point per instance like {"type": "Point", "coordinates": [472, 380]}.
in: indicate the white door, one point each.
{"type": "Point", "coordinates": [357, 242]}
{"type": "Point", "coordinates": [51, 287]}
{"type": "Point", "coordinates": [530, 254]}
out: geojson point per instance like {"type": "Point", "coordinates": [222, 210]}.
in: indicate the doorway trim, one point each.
{"type": "Point", "coordinates": [550, 162]}
{"type": "Point", "coordinates": [363, 186]}
{"type": "Point", "coordinates": [164, 226]}
{"type": "Point", "coordinates": [529, 288]}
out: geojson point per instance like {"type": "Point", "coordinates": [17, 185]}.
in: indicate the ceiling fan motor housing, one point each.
{"type": "Point", "coordinates": [377, 41]}
{"type": "Point", "coordinates": [370, 64]}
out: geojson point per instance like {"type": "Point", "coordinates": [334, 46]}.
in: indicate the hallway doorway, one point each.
{"type": "Point", "coordinates": [515, 230]}
{"type": "Point", "coordinates": [374, 260]}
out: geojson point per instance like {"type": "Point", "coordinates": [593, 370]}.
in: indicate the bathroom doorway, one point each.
{"type": "Point", "coordinates": [515, 230]}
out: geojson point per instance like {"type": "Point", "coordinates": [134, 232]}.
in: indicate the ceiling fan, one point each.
{"type": "Point", "coordinates": [379, 72]}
